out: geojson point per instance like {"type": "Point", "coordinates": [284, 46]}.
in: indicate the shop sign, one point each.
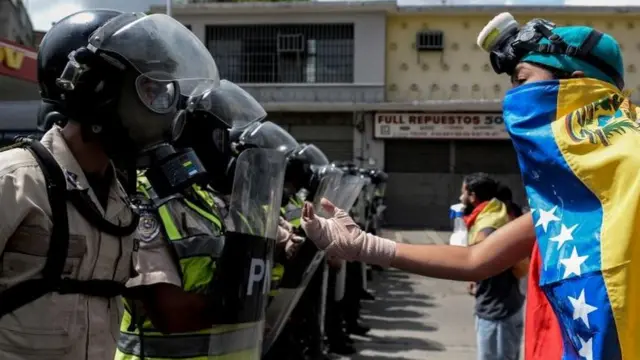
{"type": "Point", "coordinates": [11, 58]}
{"type": "Point", "coordinates": [17, 61]}
{"type": "Point", "coordinates": [488, 126]}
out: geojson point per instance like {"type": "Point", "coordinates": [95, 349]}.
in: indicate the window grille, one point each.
{"type": "Point", "coordinates": [309, 53]}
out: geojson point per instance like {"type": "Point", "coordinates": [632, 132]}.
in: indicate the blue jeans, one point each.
{"type": "Point", "coordinates": [500, 339]}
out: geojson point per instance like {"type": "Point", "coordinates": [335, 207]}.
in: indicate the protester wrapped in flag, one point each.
{"type": "Point", "coordinates": [577, 143]}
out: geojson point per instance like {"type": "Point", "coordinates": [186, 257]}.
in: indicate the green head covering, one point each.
{"type": "Point", "coordinates": [607, 50]}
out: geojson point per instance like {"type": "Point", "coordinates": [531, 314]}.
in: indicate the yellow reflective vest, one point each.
{"type": "Point", "coordinates": [292, 212]}
{"type": "Point", "coordinates": [197, 259]}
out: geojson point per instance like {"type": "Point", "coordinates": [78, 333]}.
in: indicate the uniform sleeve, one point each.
{"type": "Point", "coordinates": [15, 201]}
{"type": "Point", "coordinates": [152, 259]}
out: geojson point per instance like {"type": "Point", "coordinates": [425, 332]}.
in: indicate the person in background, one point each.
{"type": "Point", "coordinates": [498, 309]}
{"type": "Point", "coordinates": [521, 269]}
{"type": "Point", "coordinates": [506, 196]}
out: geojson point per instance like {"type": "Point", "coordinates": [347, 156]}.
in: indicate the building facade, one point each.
{"type": "Point", "coordinates": [456, 128]}
{"type": "Point", "coordinates": [17, 53]}
{"type": "Point", "coordinates": [317, 68]}
{"type": "Point", "coordinates": [405, 87]}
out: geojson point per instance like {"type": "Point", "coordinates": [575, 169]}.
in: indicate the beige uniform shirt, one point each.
{"type": "Point", "coordinates": [69, 327]}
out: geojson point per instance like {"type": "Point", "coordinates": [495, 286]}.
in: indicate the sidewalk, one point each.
{"type": "Point", "coordinates": [417, 318]}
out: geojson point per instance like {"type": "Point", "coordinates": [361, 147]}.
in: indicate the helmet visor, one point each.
{"type": "Point", "coordinates": [313, 155]}
{"type": "Point", "coordinates": [230, 104]}
{"type": "Point", "coordinates": [159, 48]}
{"type": "Point", "coordinates": [268, 135]}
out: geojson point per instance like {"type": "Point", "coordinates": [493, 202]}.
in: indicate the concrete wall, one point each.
{"type": "Point", "coordinates": [462, 70]}
{"type": "Point", "coordinates": [15, 24]}
{"type": "Point", "coordinates": [369, 32]}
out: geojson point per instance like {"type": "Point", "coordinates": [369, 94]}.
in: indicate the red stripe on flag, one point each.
{"type": "Point", "coordinates": [543, 339]}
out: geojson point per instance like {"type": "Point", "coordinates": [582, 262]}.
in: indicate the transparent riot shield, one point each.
{"type": "Point", "coordinates": [243, 273]}
{"type": "Point", "coordinates": [359, 209]}
{"type": "Point", "coordinates": [299, 271]}
{"type": "Point", "coordinates": [350, 187]}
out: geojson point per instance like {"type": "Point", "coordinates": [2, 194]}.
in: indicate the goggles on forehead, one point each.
{"type": "Point", "coordinates": [508, 44]}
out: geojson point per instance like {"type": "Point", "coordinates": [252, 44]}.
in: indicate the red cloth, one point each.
{"type": "Point", "coordinates": [542, 337]}
{"type": "Point", "coordinates": [471, 218]}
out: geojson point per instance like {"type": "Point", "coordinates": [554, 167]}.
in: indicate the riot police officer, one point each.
{"type": "Point", "coordinates": [66, 235]}
{"type": "Point", "coordinates": [306, 178]}
{"type": "Point", "coordinates": [189, 222]}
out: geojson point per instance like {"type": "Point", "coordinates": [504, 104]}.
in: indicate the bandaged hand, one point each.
{"type": "Point", "coordinates": [340, 236]}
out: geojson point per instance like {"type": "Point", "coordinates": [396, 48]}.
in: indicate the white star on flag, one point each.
{"type": "Point", "coordinates": [572, 264]}
{"type": "Point", "coordinates": [545, 217]}
{"type": "Point", "coordinates": [581, 309]}
{"type": "Point", "coordinates": [586, 348]}
{"type": "Point", "coordinates": [564, 236]}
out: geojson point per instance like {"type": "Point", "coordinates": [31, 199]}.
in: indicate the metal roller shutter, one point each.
{"type": "Point", "coordinates": [419, 187]}
{"type": "Point", "coordinates": [497, 158]}
{"type": "Point", "coordinates": [425, 177]}
{"type": "Point", "coordinates": [332, 133]}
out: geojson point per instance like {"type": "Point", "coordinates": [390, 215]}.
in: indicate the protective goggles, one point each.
{"type": "Point", "coordinates": [510, 48]}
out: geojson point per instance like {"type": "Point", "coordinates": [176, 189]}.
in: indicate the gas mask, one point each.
{"type": "Point", "coordinates": [216, 121]}
{"type": "Point", "coordinates": [508, 43]}
{"type": "Point", "coordinates": [136, 67]}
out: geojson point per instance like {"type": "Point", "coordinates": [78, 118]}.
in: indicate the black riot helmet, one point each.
{"type": "Point", "coordinates": [211, 118]}
{"type": "Point", "coordinates": [264, 135]}
{"type": "Point", "coordinates": [49, 116]}
{"type": "Point", "coordinates": [307, 165]}
{"type": "Point", "coordinates": [349, 167]}
{"type": "Point", "coordinates": [378, 176]}
{"type": "Point", "coordinates": [120, 75]}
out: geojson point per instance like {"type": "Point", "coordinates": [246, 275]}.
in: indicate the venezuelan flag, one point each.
{"type": "Point", "coordinates": [578, 146]}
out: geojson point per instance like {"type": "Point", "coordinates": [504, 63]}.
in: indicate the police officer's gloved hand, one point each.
{"type": "Point", "coordinates": [285, 224]}
{"type": "Point", "coordinates": [340, 236]}
{"type": "Point", "coordinates": [283, 236]}
{"type": "Point", "coordinates": [293, 245]}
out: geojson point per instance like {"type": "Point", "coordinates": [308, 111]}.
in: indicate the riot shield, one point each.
{"type": "Point", "coordinates": [299, 271]}
{"type": "Point", "coordinates": [350, 187]}
{"type": "Point", "coordinates": [243, 273]}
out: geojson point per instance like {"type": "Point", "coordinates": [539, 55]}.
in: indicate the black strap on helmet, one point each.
{"type": "Point", "coordinates": [52, 281]}
{"type": "Point", "coordinates": [583, 52]}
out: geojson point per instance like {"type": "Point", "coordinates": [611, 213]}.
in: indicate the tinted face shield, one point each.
{"type": "Point", "coordinates": [230, 104]}
{"type": "Point", "coordinates": [160, 61]}
{"type": "Point", "coordinates": [312, 155]}
{"type": "Point", "coordinates": [266, 135]}
{"type": "Point", "coordinates": [508, 43]}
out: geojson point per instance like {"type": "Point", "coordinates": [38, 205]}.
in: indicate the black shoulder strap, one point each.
{"type": "Point", "coordinates": [52, 281]}
{"type": "Point", "coordinates": [81, 201]}
{"type": "Point", "coordinates": [30, 290]}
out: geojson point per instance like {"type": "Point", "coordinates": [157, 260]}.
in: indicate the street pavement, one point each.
{"type": "Point", "coordinates": [417, 318]}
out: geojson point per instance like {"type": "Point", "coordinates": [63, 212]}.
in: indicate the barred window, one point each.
{"type": "Point", "coordinates": [319, 53]}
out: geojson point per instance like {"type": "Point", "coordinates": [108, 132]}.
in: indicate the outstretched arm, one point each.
{"type": "Point", "coordinates": [500, 250]}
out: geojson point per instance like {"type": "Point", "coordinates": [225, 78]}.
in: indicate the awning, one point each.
{"type": "Point", "coordinates": [18, 72]}
{"type": "Point", "coordinates": [18, 61]}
